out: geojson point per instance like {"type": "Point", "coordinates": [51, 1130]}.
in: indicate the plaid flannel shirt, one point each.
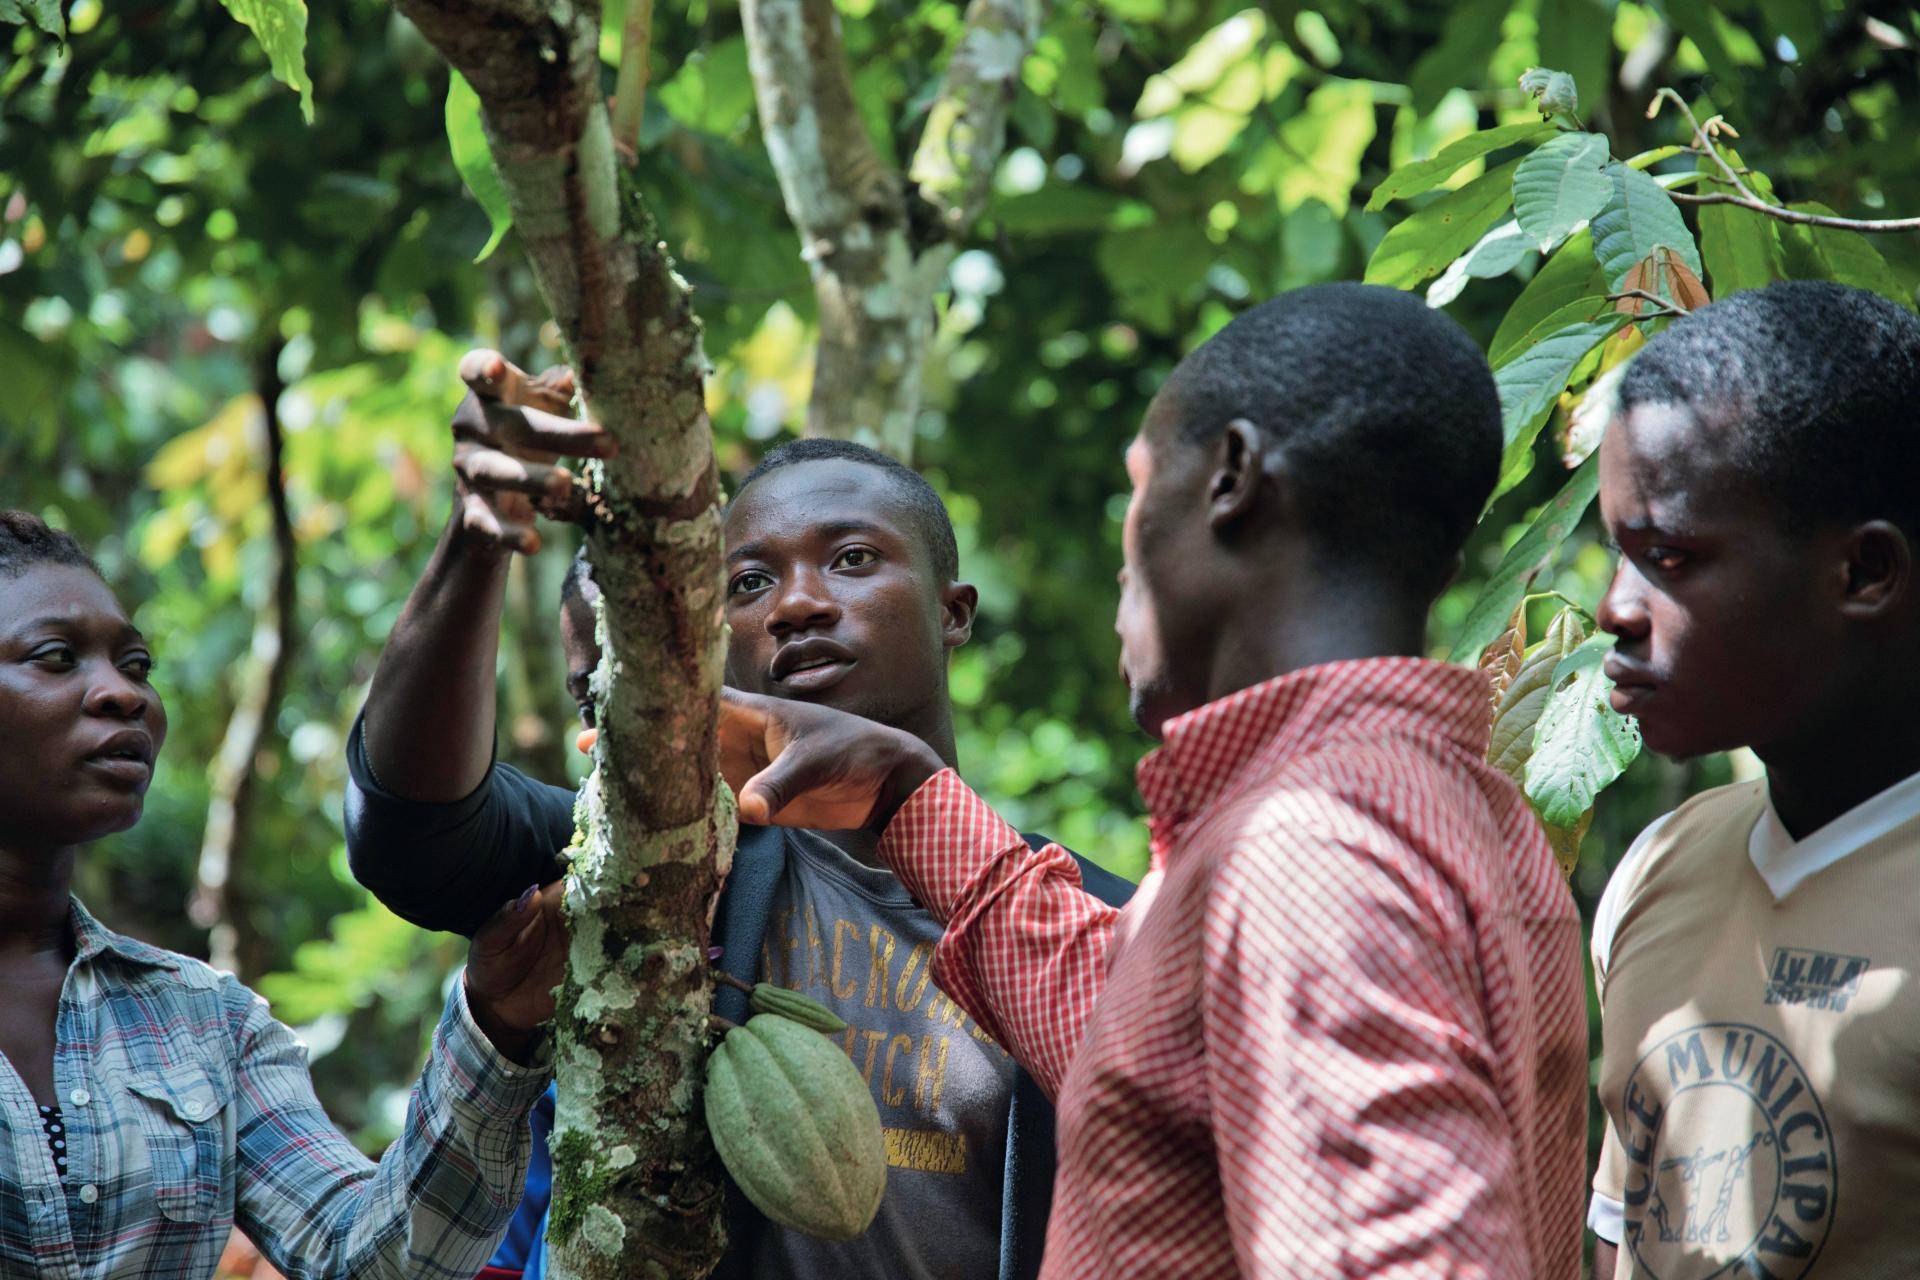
{"type": "Point", "coordinates": [189, 1108]}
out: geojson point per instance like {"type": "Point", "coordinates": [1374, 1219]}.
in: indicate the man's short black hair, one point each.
{"type": "Point", "coordinates": [935, 526]}
{"type": "Point", "coordinates": [1383, 408]}
{"type": "Point", "coordinates": [27, 541]}
{"type": "Point", "coordinates": [1821, 381]}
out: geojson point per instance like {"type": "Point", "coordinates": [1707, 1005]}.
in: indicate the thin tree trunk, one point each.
{"type": "Point", "coordinates": [877, 245]}
{"type": "Point", "coordinates": [637, 1190]}
{"type": "Point", "coordinates": [536, 708]}
{"type": "Point", "coordinates": [218, 903]}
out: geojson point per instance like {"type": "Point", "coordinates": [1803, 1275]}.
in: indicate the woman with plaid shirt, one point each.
{"type": "Point", "coordinates": [150, 1103]}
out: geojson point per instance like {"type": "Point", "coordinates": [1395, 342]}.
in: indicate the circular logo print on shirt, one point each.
{"type": "Point", "coordinates": [1730, 1161]}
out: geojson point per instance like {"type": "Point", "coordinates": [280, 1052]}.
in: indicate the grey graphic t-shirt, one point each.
{"type": "Point", "coordinates": [849, 936]}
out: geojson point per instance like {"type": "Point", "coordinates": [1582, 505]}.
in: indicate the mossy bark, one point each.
{"type": "Point", "coordinates": [637, 1189]}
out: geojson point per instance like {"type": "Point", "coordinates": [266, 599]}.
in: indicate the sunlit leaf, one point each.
{"type": "Point", "coordinates": [1567, 277]}
{"type": "Point", "coordinates": [1560, 186]}
{"type": "Point", "coordinates": [474, 159]}
{"type": "Point", "coordinates": [1592, 307]}
{"type": "Point", "coordinates": [44, 14]}
{"type": "Point", "coordinates": [1424, 175]}
{"type": "Point", "coordinates": [1422, 245]}
{"type": "Point", "coordinates": [1498, 252]}
{"type": "Point", "coordinates": [281, 28]}
{"type": "Point", "coordinates": [1531, 382]}
{"type": "Point", "coordinates": [1328, 136]}
{"type": "Point", "coordinates": [1581, 744]}
{"type": "Point", "coordinates": [1507, 585]}
{"type": "Point", "coordinates": [1639, 218]}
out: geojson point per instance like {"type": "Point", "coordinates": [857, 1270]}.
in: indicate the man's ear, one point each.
{"type": "Point", "coordinates": [958, 603]}
{"type": "Point", "coordinates": [1879, 570]}
{"type": "Point", "coordinates": [1234, 487]}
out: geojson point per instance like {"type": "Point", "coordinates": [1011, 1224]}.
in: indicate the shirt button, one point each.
{"type": "Point", "coordinates": [79, 1097]}
{"type": "Point", "coordinates": [196, 1109]}
{"type": "Point", "coordinates": [89, 1193]}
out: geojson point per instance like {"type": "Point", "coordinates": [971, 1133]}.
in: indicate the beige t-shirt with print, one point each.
{"type": "Point", "coordinates": [1761, 1026]}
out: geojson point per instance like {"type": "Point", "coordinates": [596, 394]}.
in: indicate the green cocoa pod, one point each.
{"type": "Point", "coordinates": [805, 1010]}
{"type": "Point", "coordinates": [796, 1127]}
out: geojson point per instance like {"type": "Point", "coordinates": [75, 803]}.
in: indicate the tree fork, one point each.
{"type": "Point", "coordinates": [637, 1189]}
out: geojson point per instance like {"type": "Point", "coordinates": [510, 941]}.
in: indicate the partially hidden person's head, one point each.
{"type": "Point", "coordinates": [841, 588]}
{"type": "Point", "coordinates": [1319, 460]}
{"type": "Point", "coordinates": [1762, 479]}
{"type": "Point", "coordinates": [80, 724]}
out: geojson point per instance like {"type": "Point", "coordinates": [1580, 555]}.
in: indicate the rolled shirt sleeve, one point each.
{"type": "Point", "coordinates": [1025, 947]}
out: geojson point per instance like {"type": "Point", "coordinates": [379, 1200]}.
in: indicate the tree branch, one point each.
{"type": "Point", "coordinates": [654, 830]}
{"type": "Point", "coordinates": [1746, 199]}
{"type": "Point", "coordinates": [1668, 307]}
{"type": "Point", "coordinates": [874, 274]}
{"type": "Point", "coordinates": [217, 904]}
{"type": "Point", "coordinates": [967, 125]}
{"type": "Point", "coordinates": [630, 91]}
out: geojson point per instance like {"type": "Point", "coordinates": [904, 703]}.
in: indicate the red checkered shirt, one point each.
{"type": "Point", "coordinates": [1341, 1029]}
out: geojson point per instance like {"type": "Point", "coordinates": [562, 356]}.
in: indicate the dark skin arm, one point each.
{"type": "Point", "coordinates": [1605, 1257]}
{"type": "Point", "coordinates": [794, 764]}
{"type": "Point", "coordinates": [430, 712]}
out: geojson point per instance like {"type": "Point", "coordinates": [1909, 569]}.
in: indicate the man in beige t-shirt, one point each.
{"type": "Point", "coordinates": [1766, 1109]}
{"type": "Point", "coordinates": [1757, 950]}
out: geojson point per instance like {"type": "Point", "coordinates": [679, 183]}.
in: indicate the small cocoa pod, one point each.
{"type": "Point", "coordinates": [796, 1127]}
{"type": "Point", "coordinates": [805, 1010]}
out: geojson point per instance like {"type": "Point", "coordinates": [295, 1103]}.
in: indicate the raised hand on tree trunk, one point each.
{"type": "Point", "coordinates": [510, 434]}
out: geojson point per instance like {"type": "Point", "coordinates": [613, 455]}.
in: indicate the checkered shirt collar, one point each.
{"type": "Point", "coordinates": [91, 939]}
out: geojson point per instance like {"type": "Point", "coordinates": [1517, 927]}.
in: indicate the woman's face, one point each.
{"type": "Point", "coordinates": [80, 725]}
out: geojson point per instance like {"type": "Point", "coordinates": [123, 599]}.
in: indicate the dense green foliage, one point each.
{"type": "Point", "coordinates": [174, 238]}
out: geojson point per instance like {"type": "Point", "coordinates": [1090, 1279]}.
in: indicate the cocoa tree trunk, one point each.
{"type": "Point", "coordinates": [218, 901]}
{"type": "Point", "coordinates": [637, 1190]}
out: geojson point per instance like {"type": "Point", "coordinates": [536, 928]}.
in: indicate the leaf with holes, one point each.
{"type": "Point", "coordinates": [474, 159]}
{"type": "Point", "coordinates": [1501, 660]}
{"type": "Point", "coordinates": [281, 28]}
{"type": "Point", "coordinates": [1425, 175]}
{"type": "Point", "coordinates": [1581, 744]}
{"type": "Point", "coordinates": [1510, 743]}
{"type": "Point", "coordinates": [1507, 585]}
{"type": "Point", "coordinates": [1531, 382]}
{"type": "Point", "coordinates": [1424, 244]}
{"type": "Point", "coordinates": [1561, 185]}
{"type": "Point", "coordinates": [1639, 218]}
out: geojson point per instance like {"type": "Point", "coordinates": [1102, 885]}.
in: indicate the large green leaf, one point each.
{"type": "Point", "coordinates": [44, 14]}
{"type": "Point", "coordinates": [1508, 583]}
{"type": "Point", "coordinates": [1421, 246]}
{"type": "Point", "coordinates": [1425, 175]}
{"type": "Point", "coordinates": [1560, 186]}
{"type": "Point", "coordinates": [1639, 218]}
{"type": "Point", "coordinates": [1741, 248]}
{"type": "Point", "coordinates": [1581, 743]}
{"type": "Point", "coordinates": [1531, 382]}
{"type": "Point", "coordinates": [1568, 276]}
{"type": "Point", "coordinates": [281, 28]}
{"type": "Point", "coordinates": [472, 157]}
{"type": "Point", "coordinates": [1594, 306]}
